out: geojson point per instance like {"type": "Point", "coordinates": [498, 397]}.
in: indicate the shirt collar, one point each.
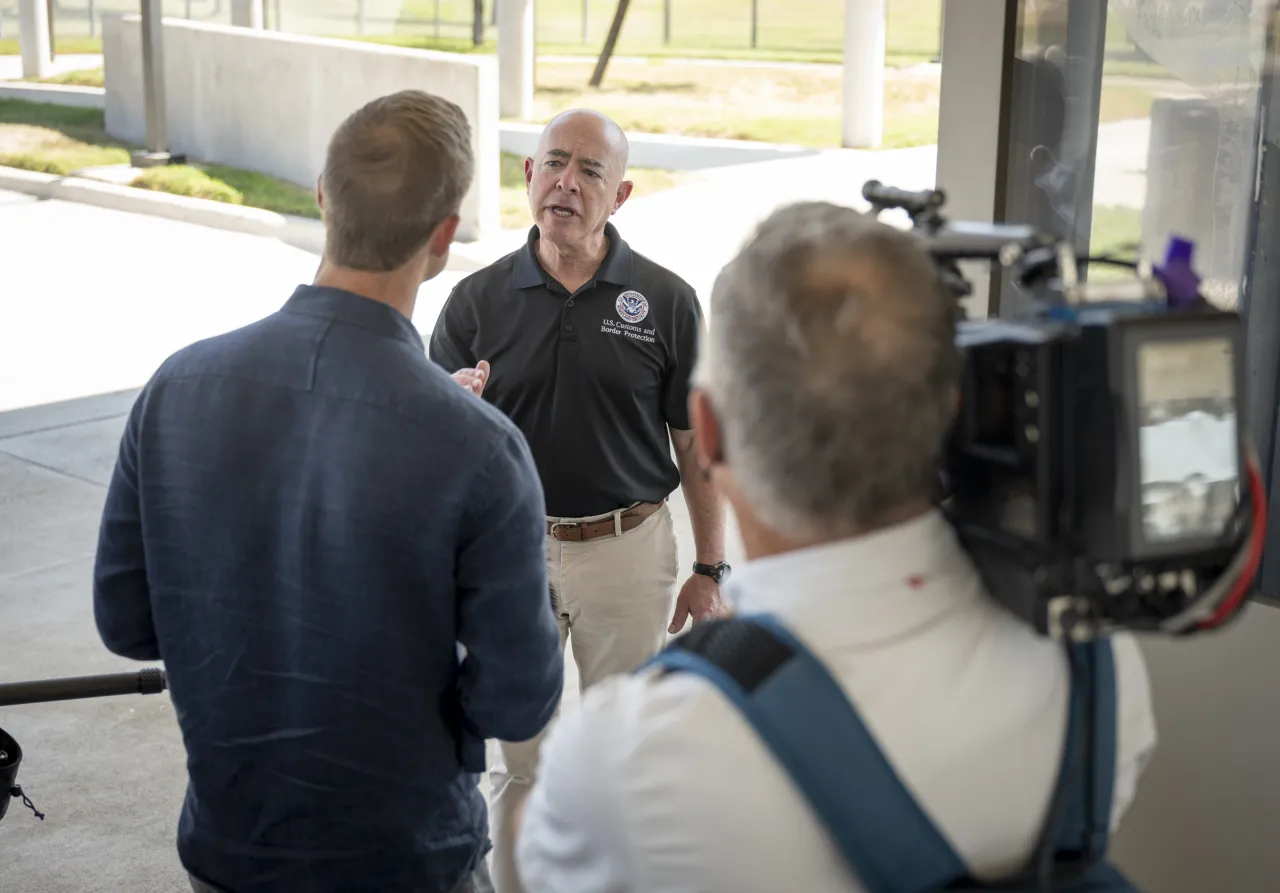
{"type": "Point", "coordinates": [354, 309]}
{"type": "Point", "coordinates": [616, 267]}
{"type": "Point", "coordinates": [863, 588]}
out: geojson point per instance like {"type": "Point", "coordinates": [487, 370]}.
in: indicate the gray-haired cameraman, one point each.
{"type": "Point", "coordinates": [825, 390]}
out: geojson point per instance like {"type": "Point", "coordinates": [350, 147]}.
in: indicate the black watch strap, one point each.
{"type": "Point", "coordinates": [718, 571]}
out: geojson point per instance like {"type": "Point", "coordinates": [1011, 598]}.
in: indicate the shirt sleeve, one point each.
{"type": "Point", "coordinates": [452, 341]}
{"type": "Point", "coordinates": [572, 835]}
{"type": "Point", "coordinates": [513, 670]}
{"type": "Point", "coordinates": [121, 596]}
{"type": "Point", "coordinates": [688, 332]}
{"type": "Point", "coordinates": [1135, 724]}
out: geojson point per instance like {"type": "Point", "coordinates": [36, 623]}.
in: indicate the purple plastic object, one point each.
{"type": "Point", "coordinates": [1180, 280]}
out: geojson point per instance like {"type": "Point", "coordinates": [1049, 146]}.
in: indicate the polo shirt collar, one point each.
{"type": "Point", "coordinates": [616, 267]}
{"type": "Point", "coordinates": [867, 588]}
{"type": "Point", "coordinates": [354, 309]}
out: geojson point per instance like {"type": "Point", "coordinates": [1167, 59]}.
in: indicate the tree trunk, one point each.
{"type": "Point", "coordinates": [477, 21]}
{"type": "Point", "coordinates": [610, 42]}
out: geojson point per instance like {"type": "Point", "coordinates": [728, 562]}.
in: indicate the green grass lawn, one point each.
{"type": "Point", "coordinates": [800, 30]}
{"type": "Point", "coordinates": [66, 45]}
{"type": "Point", "coordinates": [83, 77]}
{"type": "Point", "coordinates": [1116, 231]}
{"type": "Point", "coordinates": [786, 30]}
{"type": "Point", "coordinates": [798, 105]}
{"type": "Point", "coordinates": [795, 29]}
{"type": "Point", "coordinates": [59, 140]}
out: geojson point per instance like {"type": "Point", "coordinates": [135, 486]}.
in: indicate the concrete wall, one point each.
{"type": "Point", "coordinates": [269, 102]}
{"type": "Point", "coordinates": [1207, 815]}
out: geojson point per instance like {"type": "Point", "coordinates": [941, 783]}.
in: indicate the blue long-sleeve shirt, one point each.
{"type": "Point", "coordinates": [306, 520]}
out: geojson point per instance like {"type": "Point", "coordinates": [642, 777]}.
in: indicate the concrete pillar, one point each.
{"type": "Point", "coordinates": [246, 13]}
{"type": "Point", "coordinates": [515, 59]}
{"type": "Point", "coordinates": [153, 86]}
{"type": "Point", "coordinates": [977, 41]}
{"type": "Point", "coordinates": [33, 38]}
{"type": "Point", "coordinates": [863, 112]}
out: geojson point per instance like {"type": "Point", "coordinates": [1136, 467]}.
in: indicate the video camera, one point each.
{"type": "Point", "coordinates": [1098, 472]}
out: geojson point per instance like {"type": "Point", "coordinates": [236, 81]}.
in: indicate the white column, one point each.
{"type": "Point", "coordinates": [246, 13]}
{"type": "Point", "coordinates": [863, 112]}
{"type": "Point", "coordinates": [515, 59]}
{"type": "Point", "coordinates": [33, 38]}
{"type": "Point", "coordinates": [971, 160]}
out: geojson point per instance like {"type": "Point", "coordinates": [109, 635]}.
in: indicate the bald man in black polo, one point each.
{"type": "Point", "coordinates": [588, 346]}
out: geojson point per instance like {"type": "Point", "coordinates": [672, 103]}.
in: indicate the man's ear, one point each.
{"type": "Point", "coordinates": [528, 173]}
{"type": "Point", "coordinates": [320, 192]}
{"type": "Point", "coordinates": [624, 193]}
{"type": "Point", "coordinates": [706, 430]}
{"type": "Point", "coordinates": [442, 237]}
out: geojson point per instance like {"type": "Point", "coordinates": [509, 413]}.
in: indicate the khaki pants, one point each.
{"type": "Point", "coordinates": [613, 597]}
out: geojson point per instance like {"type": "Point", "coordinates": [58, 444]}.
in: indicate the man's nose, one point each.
{"type": "Point", "coordinates": [568, 182]}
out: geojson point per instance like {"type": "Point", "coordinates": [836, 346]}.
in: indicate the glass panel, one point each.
{"type": "Point", "coordinates": [1054, 87]}
{"type": "Point", "coordinates": [1135, 122]}
{"type": "Point", "coordinates": [1194, 68]}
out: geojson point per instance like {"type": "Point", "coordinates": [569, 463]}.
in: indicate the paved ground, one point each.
{"type": "Point", "coordinates": [92, 301]}
{"type": "Point", "coordinates": [11, 66]}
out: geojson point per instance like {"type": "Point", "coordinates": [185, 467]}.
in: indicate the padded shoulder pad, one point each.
{"type": "Point", "coordinates": [748, 652]}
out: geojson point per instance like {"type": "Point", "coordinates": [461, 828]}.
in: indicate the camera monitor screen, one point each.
{"type": "Point", "coordinates": [1188, 442]}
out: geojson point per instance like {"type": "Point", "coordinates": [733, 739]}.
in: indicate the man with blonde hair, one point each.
{"type": "Point", "coordinates": [338, 554]}
{"type": "Point", "coordinates": [824, 392]}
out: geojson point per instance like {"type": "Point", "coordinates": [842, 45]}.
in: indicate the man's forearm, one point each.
{"type": "Point", "coordinates": [706, 509]}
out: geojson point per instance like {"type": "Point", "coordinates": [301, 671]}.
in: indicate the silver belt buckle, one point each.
{"type": "Point", "coordinates": [565, 524]}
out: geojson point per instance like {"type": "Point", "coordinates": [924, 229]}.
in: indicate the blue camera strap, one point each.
{"type": "Point", "coordinates": [802, 715]}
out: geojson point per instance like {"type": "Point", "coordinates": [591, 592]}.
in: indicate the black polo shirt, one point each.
{"type": "Point", "coordinates": [593, 379]}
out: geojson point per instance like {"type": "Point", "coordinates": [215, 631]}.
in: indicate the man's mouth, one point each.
{"type": "Point", "coordinates": [561, 211]}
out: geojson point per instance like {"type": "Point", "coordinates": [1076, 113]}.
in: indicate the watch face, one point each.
{"type": "Point", "coordinates": [718, 572]}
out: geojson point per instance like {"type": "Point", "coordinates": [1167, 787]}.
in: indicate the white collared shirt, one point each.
{"type": "Point", "coordinates": [658, 784]}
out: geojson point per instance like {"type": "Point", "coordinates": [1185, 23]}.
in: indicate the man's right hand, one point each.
{"type": "Point", "coordinates": [473, 379]}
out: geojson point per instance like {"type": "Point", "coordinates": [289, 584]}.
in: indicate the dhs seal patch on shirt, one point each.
{"type": "Point", "coordinates": [632, 306]}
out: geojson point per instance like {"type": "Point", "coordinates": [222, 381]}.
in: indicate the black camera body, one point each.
{"type": "Point", "coordinates": [1097, 472]}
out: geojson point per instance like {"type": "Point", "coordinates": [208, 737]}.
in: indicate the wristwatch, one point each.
{"type": "Point", "coordinates": [718, 572]}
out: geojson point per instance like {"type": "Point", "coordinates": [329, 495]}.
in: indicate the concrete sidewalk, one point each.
{"type": "Point", "coordinates": [11, 66]}
{"type": "Point", "coordinates": [93, 300]}
{"type": "Point", "coordinates": [109, 773]}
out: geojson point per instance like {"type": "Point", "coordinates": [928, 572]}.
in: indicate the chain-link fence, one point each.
{"type": "Point", "coordinates": [83, 18]}
{"type": "Point", "coordinates": [799, 27]}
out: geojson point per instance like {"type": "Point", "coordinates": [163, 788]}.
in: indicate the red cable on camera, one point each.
{"type": "Point", "coordinates": [1258, 534]}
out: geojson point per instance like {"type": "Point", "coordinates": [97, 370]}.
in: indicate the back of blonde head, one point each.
{"type": "Point", "coordinates": [396, 169]}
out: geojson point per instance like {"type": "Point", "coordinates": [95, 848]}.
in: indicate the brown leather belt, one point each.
{"type": "Point", "coordinates": [581, 531]}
